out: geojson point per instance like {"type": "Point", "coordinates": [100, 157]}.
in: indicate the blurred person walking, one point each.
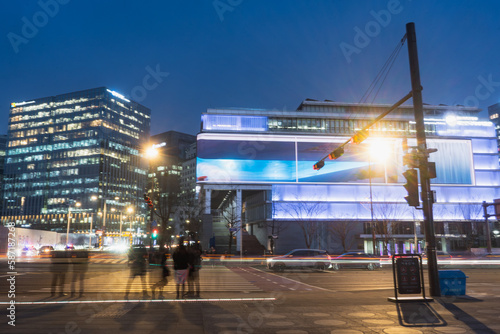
{"type": "Point", "coordinates": [194, 270]}
{"type": "Point", "coordinates": [181, 266]}
{"type": "Point", "coordinates": [164, 273]}
{"type": "Point", "coordinates": [137, 262]}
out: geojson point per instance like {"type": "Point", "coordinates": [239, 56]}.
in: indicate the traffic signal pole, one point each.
{"type": "Point", "coordinates": [427, 197]}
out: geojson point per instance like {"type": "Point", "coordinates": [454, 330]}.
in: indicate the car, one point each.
{"type": "Point", "coordinates": [356, 260]}
{"type": "Point", "coordinates": [27, 251]}
{"type": "Point", "coordinates": [300, 258]}
{"type": "Point", "coordinates": [69, 247]}
{"type": "Point", "coordinates": [45, 250]}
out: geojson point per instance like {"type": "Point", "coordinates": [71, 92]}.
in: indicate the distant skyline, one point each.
{"type": "Point", "coordinates": [179, 58]}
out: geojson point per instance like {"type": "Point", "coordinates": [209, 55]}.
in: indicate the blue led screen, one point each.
{"type": "Point", "coordinates": [262, 161]}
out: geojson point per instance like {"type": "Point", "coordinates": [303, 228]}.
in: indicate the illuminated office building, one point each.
{"type": "Point", "coordinates": [259, 163]}
{"type": "Point", "coordinates": [68, 148]}
{"type": "Point", "coordinates": [3, 147]}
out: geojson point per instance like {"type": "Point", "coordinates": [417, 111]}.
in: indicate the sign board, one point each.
{"type": "Point", "coordinates": [408, 273]}
{"type": "Point", "coordinates": [233, 229]}
{"type": "Point", "coordinates": [154, 223]}
{"type": "Point", "coordinates": [497, 207]}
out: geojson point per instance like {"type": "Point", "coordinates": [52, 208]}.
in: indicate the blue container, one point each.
{"type": "Point", "coordinates": [452, 282]}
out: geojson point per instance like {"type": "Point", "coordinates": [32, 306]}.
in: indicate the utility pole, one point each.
{"type": "Point", "coordinates": [487, 224]}
{"type": "Point", "coordinates": [427, 196]}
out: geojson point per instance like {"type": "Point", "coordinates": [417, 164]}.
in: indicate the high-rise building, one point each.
{"type": "Point", "coordinates": [256, 171]}
{"type": "Point", "coordinates": [494, 114]}
{"type": "Point", "coordinates": [3, 147]}
{"type": "Point", "coordinates": [165, 171]}
{"type": "Point", "coordinates": [78, 152]}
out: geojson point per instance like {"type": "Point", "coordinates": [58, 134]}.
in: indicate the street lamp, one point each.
{"type": "Point", "coordinates": [77, 204]}
{"type": "Point", "coordinates": [95, 198]}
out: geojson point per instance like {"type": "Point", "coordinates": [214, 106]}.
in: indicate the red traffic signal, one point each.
{"type": "Point", "coordinates": [336, 153]}
{"type": "Point", "coordinates": [148, 201]}
{"type": "Point", "coordinates": [320, 164]}
{"type": "Point", "coordinates": [360, 136]}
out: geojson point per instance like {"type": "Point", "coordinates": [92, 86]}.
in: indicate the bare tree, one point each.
{"type": "Point", "coordinates": [468, 231]}
{"type": "Point", "coordinates": [386, 223]}
{"type": "Point", "coordinates": [344, 230]}
{"type": "Point", "coordinates": [305, 214]}
{"type": "Point", "coordinates": [165, 197]}
{"type": "Point", "coordinates": [231, 219]}
{"type": "Point", "coordinates": [191, 211]}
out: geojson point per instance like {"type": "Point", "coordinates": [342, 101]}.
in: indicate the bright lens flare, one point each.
{"type": "Point", "coordinates": [380, 150]}
{"type": "Point", "coordinates": [151, 152]}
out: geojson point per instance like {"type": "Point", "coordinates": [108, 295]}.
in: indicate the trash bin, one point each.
{"type": "Point", "coordinates": [452, 282]}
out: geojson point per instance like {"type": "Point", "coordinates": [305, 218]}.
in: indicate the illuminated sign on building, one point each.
{"type": "Point", "coordinates": [118, 95]}
{"type": "Point", "coordinates": [18, 104]}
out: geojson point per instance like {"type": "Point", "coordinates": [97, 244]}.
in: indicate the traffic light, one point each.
{"type": "Point", "coordinates": [336, 153]}
{"type": "Point", "coordinates": [148, 201]}
{"type": "Point", "coordinates": [411, 186]}
{"type": "Point", "coordinates": [154, 233]}
{"type": "Point", "coordinates": [360, 136]}
{"type": "Point", "coordinates": [410, 159]}
{"type": "Point", "coordinates": [320, 164]}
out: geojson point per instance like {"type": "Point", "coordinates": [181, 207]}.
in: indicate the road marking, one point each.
{"type": "Point", "coordinates": [281, 277]}
{"type": "Point", "coordinates": [201, 300]}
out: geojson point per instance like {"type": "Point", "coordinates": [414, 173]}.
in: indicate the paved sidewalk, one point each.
{"type": "Point", "coordinates": [292, 312]}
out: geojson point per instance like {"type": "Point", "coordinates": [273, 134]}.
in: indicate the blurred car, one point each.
{"type": "Point", "coordinates": [301, 258]}
{"type": "Point", "coordinates": [356, 260]}
{"type": "Point", "coordinates": [69, 247]}
{"type": "Point", "coordinates": [27, 251]}
{"type": "Point", "coordinates": [45, 250]}
{"type": "Point", "coordinates": [441, 256]}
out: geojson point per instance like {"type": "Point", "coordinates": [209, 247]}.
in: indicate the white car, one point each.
{"type": "Point", "coordinates": [301, 258]}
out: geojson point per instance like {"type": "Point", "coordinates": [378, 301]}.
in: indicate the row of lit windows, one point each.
{"type": "Point", "coordinates": [334, 125]}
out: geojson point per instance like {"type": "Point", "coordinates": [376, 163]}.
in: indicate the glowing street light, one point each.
{"type": "Point", "coordinates": [152, 152]}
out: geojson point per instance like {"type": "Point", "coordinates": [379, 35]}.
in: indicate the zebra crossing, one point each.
{"type": "Point", "coordinates": [216, 279]}
{"type": "Point", "coordinates": [108, 261]}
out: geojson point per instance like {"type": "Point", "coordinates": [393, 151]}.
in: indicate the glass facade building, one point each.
{"type": "Point", "coordinates": [69, 148]}
{"type": "Point", "coordinates": [261, 163]}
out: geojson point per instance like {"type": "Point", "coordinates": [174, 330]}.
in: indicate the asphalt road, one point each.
{"type": "Point", "coordinates": [238, 299]}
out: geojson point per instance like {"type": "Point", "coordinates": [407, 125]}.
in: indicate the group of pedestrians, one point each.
{"type": "Point", "coordinates": [186, 264]}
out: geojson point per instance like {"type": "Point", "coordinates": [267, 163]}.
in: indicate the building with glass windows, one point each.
{"type": "Point", "coordinates": [66, 149]}
{"type": "Point", "coordinates": [165, 187]}
{"type": "Point", "coordinates": [255, 168]}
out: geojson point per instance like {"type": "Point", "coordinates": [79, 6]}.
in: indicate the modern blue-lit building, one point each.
{"type": "Point", "coordinates": [257, 167]}
{"type": "Point", "coordinates": [64, 150]}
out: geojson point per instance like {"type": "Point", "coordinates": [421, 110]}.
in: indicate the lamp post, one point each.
{"type": "Point", "coordinates": [90, 231]}
{"type": "Point", "coordinates": [130, 211]}
{"type": "Point", "coordinates": [77, 204]}
{"type": "Point", "coordinates": [95, 198]}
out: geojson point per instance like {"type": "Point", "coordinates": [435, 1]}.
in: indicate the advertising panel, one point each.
{"type": "Point", "coordinates": [287, 159]}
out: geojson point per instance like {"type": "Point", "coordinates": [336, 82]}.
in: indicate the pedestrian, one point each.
{"type": "Point", "coordinates": [181, 266]}
{"type": "Point", "coordinates": [59, 267]}
{"type": "Point", "coordinates": [194, 270]}
{"type": "Point", "coordinates": [137, 262]}
{"type": "Point", "coordinates": [164, 272]}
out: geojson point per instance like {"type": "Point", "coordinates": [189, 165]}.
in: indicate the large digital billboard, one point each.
{"type": "Point", "coordinates": [289, 159]}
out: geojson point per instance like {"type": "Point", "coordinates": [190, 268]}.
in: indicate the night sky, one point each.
{"type": "Point", "coordinates": [245, 53]}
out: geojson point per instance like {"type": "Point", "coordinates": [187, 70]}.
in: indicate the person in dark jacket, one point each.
{"type": "Point", "coordinates": [181, 266]}
{"type": "Point", "coordinates": [138, 266]}
{"type": "Point", "coordinates": [194, 270]}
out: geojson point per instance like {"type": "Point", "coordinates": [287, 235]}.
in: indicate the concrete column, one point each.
{"type": "Point", "coordinates": [208, 201]}
{"type": "Point", "coordinates": [239, 222]}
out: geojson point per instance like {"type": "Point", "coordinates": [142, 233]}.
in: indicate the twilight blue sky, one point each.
{"type": "Point", "coordinates": [245, 53]}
